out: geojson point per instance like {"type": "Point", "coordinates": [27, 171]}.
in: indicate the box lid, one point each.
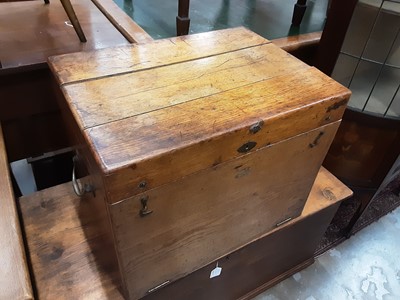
{"type": "Point", "coordinates": [162, 110]}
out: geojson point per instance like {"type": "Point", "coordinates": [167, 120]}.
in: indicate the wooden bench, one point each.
{"type": "Point", "coordinates": [14, 276]}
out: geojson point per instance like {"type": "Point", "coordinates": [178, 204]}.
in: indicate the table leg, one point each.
{"type": "Point", "coordinates": [298, 12]}
{"type": "Point", "coordinates": [74, 20]}
{"type": "Point", "coordinates": [182, 19]}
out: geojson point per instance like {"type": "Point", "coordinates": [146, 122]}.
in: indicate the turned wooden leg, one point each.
{"type": "Point", "coordinates": [74, 20]}
{"type": "Point", "coordinates": [298, 12]}
{"type": "Point", "coordinates": [183, 20]}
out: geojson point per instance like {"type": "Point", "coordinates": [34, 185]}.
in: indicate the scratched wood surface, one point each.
{"type": "Point", "coordinates": [216, 211]}
{"type": "Point", "coordinates": [119, 60]}
{"type": "Point", "coordinates": [109, 99]}
{"type": "Point", "coordinates": [15, 281]}
{"type": "Point", "coordinates": [170, 112]}
{"type": "Point", "coordinates": [183, 139]}
{"type": "Point", "coordinates": [199, 93]}
{"type": "Point", "coordinates": [65, 259]}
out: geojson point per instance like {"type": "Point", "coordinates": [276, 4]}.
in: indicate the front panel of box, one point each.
{"type": "Point", "coordinates": [170, 231]}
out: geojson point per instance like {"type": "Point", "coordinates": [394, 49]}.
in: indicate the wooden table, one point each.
{"type": "Point", "coordinates": [65, 245]}
{"type": "Point", "coordinates": [31, 31]}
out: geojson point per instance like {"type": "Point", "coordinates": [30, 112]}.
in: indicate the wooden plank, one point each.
{"type": "Point", "coordinates": [14, 276]}
{"type": "Point", "coordinates": [297, 42]}
{"type": "Point", "coordinates": [129, 29]}
{"type": "Point", "coordinates": [119, 60]}
{"type": "Point", "coordinates": [214, 212]}
{"type": "Point", "coordinates": [113, 98]}
{"type": "Point", "coordinates": [68, 268]}
{"type": "Point", "coordinates": [274, 102]}
{"type": "Point", "coordinates": [32, 31]}
{"type": "Point", "coordinates": [70, 256]}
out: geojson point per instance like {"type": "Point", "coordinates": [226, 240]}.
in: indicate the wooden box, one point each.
{"type": "Point", "coordinates": [198, 145]}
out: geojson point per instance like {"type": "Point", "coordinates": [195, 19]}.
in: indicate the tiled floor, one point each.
{"type": "Point", "coordinates": [365, 267]}
{"type": "Point", "coordinates": [269, 18]}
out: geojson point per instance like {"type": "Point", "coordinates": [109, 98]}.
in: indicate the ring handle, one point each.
{"type": "Point", "coordinates": [78, 188]}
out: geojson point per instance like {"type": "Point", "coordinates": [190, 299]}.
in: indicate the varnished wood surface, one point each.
{"type": "Point", "coordinates": [130, 30]}
{"type": "Point", "coordinates": [14, 275]}
{"type": "Point", "coordinates": [64, 258]}
{"type": "Point", "coordinates": [200, 101]}
{"type": "Point", "coordinates": [211, 130]}
{"type": "Point", "coordinates": [196, 111]}
{"type": "Point", "coordinates": [216, 211]}
{"type": "Point", "coordinates": [119, 60]}
{"type": "Point", "coordinates": [268, 260]}
{"type": "Point", "coordinates": [296, 42]}
{"type": "Point", "coordinates": [31, 31]}
{"type": "Point", "coordinates": [106, 100]}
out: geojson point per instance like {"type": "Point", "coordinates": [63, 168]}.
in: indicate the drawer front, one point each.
{"type": "Point", "coordinates": [209, 214]}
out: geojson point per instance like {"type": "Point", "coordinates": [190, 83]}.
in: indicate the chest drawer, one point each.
{"type": "Point", "coordinates": [213, 212]}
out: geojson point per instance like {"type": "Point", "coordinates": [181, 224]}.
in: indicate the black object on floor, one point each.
{"type": "Point", "coordinates": [51, 171]}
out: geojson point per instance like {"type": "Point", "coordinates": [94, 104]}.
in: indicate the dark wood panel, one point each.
{"type": "Point", "coordinates": [35, 135]}
{"type": "Point", "coordinates": [364, 149]}
{"type": "Point", "coordinates": [26, 94]}
{"type": "Point", "coordinates": [338, 20]}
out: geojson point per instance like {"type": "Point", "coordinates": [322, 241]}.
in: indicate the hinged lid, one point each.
{"type": "Point", "coordinates": [159, 111]}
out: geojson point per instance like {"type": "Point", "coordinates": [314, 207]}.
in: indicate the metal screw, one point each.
{"type": "Point", "coordinates": [143, 184]}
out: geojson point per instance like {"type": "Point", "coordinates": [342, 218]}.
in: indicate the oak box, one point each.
{"type": "Point", "coordinates": [196, 145]}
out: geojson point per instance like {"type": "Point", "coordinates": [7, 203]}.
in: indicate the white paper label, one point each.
{"type": "Point", "coordinates": [216, 272]}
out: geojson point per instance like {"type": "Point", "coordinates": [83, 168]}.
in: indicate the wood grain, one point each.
{"type": "Point", "coordinates": [14, 276]}
{"type": "Point", "coordinates": [113, 98]}
{"type": "Point", "coordinates": [76, 274]}
{"type": "Point", "coordinates": [68, 247]}
{"type": "Point", "coordinates": [30, 32]}
{"type": "Point", "coordinates": [297, 42]}
{"type": "Point", "coordinates": [216, 211]}
{"type": "Point", "coordinates": [118, 60]}
{"type": "Point", "coordinates": [163, 149]}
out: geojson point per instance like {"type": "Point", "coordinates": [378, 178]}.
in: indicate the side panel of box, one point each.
{"type": "Point", "coordinates": [213, 212]}
{"type": "Point", "coordinates": [85, 163]}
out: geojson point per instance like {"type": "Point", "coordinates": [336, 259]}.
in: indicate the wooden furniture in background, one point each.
{"type": "Point", "coordinates": [14, 276]}
{"type": "Point", "coordinates": [169, 129]}
{"type": "Point", "coordinates": [29, 33]}
{"type": "Point", "coordinates": [71, 262]}
{"type": "Point", "coordinates": [338, 20]}
{"type": "Point", "coordinates": [182, 19]}
{"type": "Point", "coordinates": [362, 153]}
{"type": "Point", "coordinates": [298, 12]}
{"type": "Point", "coordinates": [72, 17]}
